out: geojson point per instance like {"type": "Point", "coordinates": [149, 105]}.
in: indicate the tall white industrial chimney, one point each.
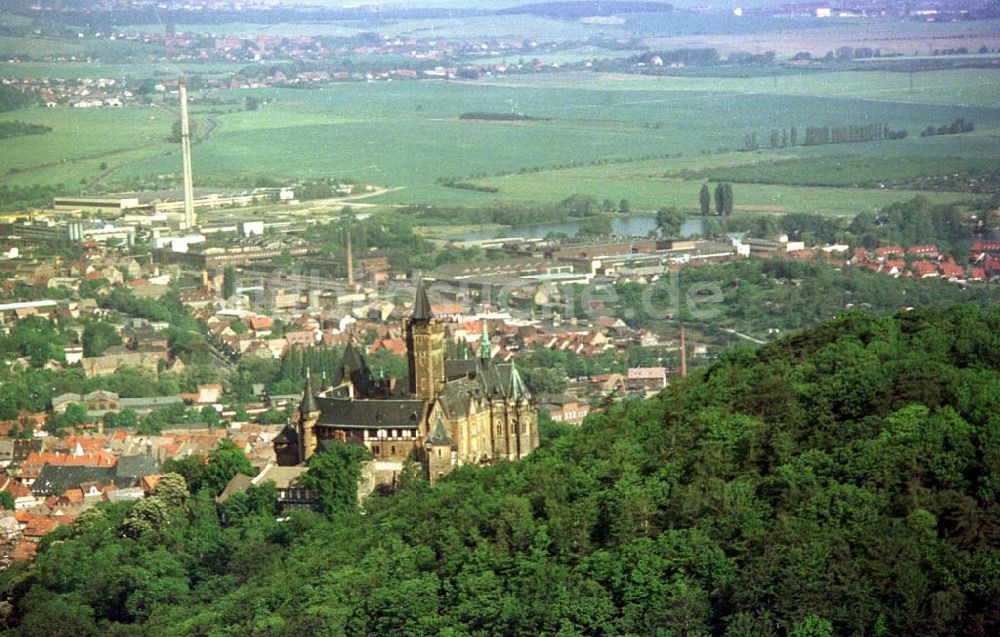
{"type": "Point", "coordinates": [189, 219]}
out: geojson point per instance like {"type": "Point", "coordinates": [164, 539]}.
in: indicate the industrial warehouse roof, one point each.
{"type": "Point", "coordinates": [23, 305]}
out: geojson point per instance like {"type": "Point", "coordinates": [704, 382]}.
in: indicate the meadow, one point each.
{"type": "Point", "coordinates": [633, 137]}
{"type": "Point", "coordinates": [958, 87]}
{"type": "Point", "coordinates": [848, 170]}
{"type": "Point", "coordinates": [120, 71]}
{"type": "Point", "coordinates": [80, 140]}
{"type": "Point", "coordinates": [650, 193]}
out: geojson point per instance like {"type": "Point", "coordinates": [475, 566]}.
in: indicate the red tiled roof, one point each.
{"type": "Point", "coordinates": [39, 525]}
{"type": "Point", "coordinates": [885, 251]}
{"type": "Point", "coordinates": [951, 269]}
{"type": "Point", "coordinates": [985, 246]}
{"type": "Point", "coordinates": [924, 269]}
{"type": "Point", "coordinates": [259, 322]}
{"type": "Point", "coordinates": [14, 488]}
{"type": "Point", "coordinates": [924, 249]}
{"type": "Point", "coordinates": [33, 464]}
{"type": "Point", "coordinates": [24, 551]}
{"type": "Point", "coordinates": [395, 345]}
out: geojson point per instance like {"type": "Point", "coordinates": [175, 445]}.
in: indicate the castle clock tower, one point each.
{"type": "Point", "coordinates": [425, 349]}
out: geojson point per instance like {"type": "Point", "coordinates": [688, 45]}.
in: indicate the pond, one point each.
{"type": "Point", "coordinates": [627, 226]}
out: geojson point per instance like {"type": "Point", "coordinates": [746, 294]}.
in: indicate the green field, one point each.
{"type": "Point", "coordinates": [79, 141]}
{"type": "Point", "coordinates": [613, 137]}
{"type": "Point", "coordinates": [131, 70]}
{"type": "Point", "coordinates": [850, 170]}
{"type": "Point", "coordinates": [646, 193]}
{"type": "Point", "coordinates": [964, 87]}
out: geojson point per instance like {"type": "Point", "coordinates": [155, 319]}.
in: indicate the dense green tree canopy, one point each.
{"type": "Point", "coordinates": [842, 481]}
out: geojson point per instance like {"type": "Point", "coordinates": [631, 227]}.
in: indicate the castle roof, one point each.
{"type": "Point", "coordinates": [481, 378]}
{"type": "Point", "coordinates": [439, 435]}
{"type": "Point", "coordinates": [460, 368]}
{"type": "Point", "coordinates": [370, 414]}
{"type": "Point", "coordinates": [308, 398]}
{"type": "Point", "coordinates": [287, 435]}
{"type": "Point", "coordinates": [422, 305]}
{"type": "Point", "coordinates": [454, 399]}
{"type": "Point", "coordinates": [518, 389]}
{"type": "Point", "coordinates": [354, 368]}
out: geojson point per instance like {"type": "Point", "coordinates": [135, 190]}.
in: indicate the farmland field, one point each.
{"type": "Point", "coordinates": [87, 136]}
{"type": "Point", "coordinates": [850, 170]}
{"type": "Point", "coordinates": [890, 36]}
{"type": "Point", "coordinates": [610, 136]}
{"type": "Point", "coordinates": [964, 87]}
{"type": "Point", "coordinates": [73, 70]}
{"type": "Point", "coordinates": [650, 193]}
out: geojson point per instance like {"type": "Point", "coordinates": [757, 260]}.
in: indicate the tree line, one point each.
{"type": "Point", "coordinates": [17, 128]}
{"type": "Point", "coordinates": [816, 135]}
{"type": "Point", "coordinates": [12, 99]}
{"type": "Point", "coordinates": [956, 127]}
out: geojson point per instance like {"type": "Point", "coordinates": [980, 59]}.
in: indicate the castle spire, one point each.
{"type": "Point", "coordinates": [518, 389]}
{"type": "Point", "coordinates": [421, 305]}
{"type": "Point", "coordinates": [439, 435]}
{"type": "Point", "coordinates": [308, 403]}
{"type": "Point", "coordinates": [485, 348]}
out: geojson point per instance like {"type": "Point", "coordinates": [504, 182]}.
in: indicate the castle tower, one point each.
{"type": "Point", "coordinates": [439, 448]}
{"type": "Point", "coordinates": [308, 416]}
{"type": "Point", "coordinates": [425, 349]}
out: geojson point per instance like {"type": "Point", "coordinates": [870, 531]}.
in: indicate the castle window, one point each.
{"type": "Point", "coordinates": [392, 449]}
{"type": "Point", "coordinates": [375, 449]}
{"type": "Point", "coordinates": [372, 433]}
{"type": "Point", "coordinates": [439, 453]}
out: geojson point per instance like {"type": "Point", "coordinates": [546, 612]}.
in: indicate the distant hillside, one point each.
{"type": "Point", "coordinates": [843, 481]}
{"type": "Point", "coordinates": [587, 8]}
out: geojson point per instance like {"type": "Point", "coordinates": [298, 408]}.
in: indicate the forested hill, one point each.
{"type": "Point", "coordinates": [843, 481]}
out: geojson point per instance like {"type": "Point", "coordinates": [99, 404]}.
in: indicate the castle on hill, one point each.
{"type": "Point", "coordinates": [453, 411]}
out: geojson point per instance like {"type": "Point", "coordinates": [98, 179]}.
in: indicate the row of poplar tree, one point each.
{"type": "Point", "coordinates": [723, 199]}
{"type": "Point", "coordinates": [815, 135]}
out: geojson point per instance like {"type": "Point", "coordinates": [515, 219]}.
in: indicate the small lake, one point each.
{"type": "Point", "coordinates": [628, 227]}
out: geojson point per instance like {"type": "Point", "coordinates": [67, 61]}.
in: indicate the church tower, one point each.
{"type": "Point", "coordinates": [425, 349]}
